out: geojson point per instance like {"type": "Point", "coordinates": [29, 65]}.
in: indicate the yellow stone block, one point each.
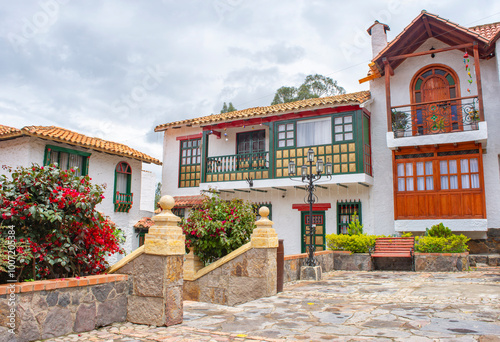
{"type": "Point", "coordinates": [220, 177]}
{"type": "Point", "coordinates": [285, 154]}
{"type": "Point", "coordinates": [265, 174]}
{"type": "Point", "coordinates": [239, 176]}
{"type": "Point", "coordinates": [329, 149]}
{"type": "Point", "coordinates": [258, 175]}
{"type": "Point", "coordinates": [300, 161]}
{"type": "Point", "coordinates": [226, 177]}
{"type": "Point", "coordinates": [344, 168]}
{"type": "Point", "coordinates": [292, 153]}
{"type": "Point", "coordinates": [336, 169]}
{"type": "Point", "coordinates": [279, 163]}
{"type": "Point", "coordinates": [209, 178]}
{"type": "Point", "coordinates": [285, 162]}
{"type": "Point", "coordinates": [299, 152]}
{"type": "Point", "coordinates": [336, 149]}
{"type": "Point", "coordinates": [233, 176]}
{"type": "Point", "coordinates": [343, 158]}
{"type": "Point", "coordinates": [343, 148]}
{"type": "Point", "coordinates": [352, 147]}
{"type": "Point", "coordinates": [245, 175]}
{"type": "Point", "coordinates": [321, 150]}
{"type": "Point", "coordinates": [278, 173]}
{"type": "Point", "coordinates": [336, 158]}
{"type": "Point", "coordinates": [352, 157]}
{"type": "Point", "coordinates": [278, 154]}
{"type": "Point", "coordinates": [352, 167]}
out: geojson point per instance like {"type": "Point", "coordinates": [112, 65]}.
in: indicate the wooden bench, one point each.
{"type": "Point", "coordinates": [394, 247]}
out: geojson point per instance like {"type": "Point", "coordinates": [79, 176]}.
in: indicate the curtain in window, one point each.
{"type": "Point", "coordinates": [314, 132]}
{"type": "Point", "coordinates": [401, 180]}
{"type": "Point", "coordinates": [409, 179]}
{"type": "Point", "coordinates": [121, 182]}
{"type": "Point", "coordinates": [54, 157]}
{"type": "Point", "coordinates": [76, 162]}
{"type": "Point", "coordinates": [464, 170]}
{"type": "Point", "coordinates": [453, 178]}
{"type": "Point", "coordinates": [443, 168]}
{"type": "Point", "coordinates": [474, 167]}
{"type": "Point", "coordinates": [420, 172]}
{"type": "Point", "coordinates": [429, 180]}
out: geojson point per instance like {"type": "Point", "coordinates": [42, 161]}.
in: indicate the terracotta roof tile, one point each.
{"type": "Point", "coordinates": [144, 223]}
{"type": "Point", "coordinates": [188, 201]}
{"type": "Point", "coordinates": [338, 100]}
{"type": "Point", "coordinates": [487, 30]}
{"type": "Point", "coordinates": [66, 136]}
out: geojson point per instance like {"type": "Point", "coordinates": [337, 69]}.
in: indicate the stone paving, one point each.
{"type": "Point", "coordinates": [344, 306]}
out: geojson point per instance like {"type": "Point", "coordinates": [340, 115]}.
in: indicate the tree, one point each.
{"type": "Point", "coordinates": [157, 195]}
{"type": "Point", "coordinates": [313, 86]}
{"type": "Point", "coordinates": [51, 220]}
{"type": "Point", "coordinates": [228, 108]}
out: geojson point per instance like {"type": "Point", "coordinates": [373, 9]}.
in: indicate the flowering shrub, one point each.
{"type": "Point", "coordinates": [218, 227]}
{"type": "Point", "coordinates": [58, 231]}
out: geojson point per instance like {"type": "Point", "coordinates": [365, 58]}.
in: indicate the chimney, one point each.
{"type": "Point", "coordinates": [378, 31]}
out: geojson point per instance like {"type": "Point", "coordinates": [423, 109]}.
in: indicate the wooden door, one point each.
{"type": "Point", "coordinates": [319, 236]}
{"type": "Point", "coordinates": [437, 116]}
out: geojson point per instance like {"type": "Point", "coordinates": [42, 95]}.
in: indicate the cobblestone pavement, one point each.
{"type": "Point", "coordinates": [344, 306]}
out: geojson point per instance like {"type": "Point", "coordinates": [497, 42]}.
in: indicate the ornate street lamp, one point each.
{"type": "Point", "coordinates": [310, 178]}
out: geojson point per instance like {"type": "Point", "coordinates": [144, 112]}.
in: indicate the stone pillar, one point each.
{"type": "Point", "coordinates": [264, 236]}
{"type": "Point", "coordinates": [158, 273]}
{"type": "Point", "coordinates": [192, 264]}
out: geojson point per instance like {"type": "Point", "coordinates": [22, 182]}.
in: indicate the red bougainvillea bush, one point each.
{"type": "Point", "coordinates": [218, 227]}
{"type": "Point", "coordinates": [49, 215]}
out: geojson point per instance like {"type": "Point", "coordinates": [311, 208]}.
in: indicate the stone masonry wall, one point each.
{"type": "Point", "coordinates": [293, 263]}
{"type": "Point", "coordinates": [51, 308]}
{"type": "Point", "coordinates": [490, 245]}
{"type": "Point", "coordinates": [249, 276]}
{"type": "Point", "coordinates": [441, 262]}
{"type": "Point", "coordinates": [345, 261]}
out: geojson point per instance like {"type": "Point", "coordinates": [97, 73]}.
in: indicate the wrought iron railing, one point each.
{"type": "Point", "coordinates": [123, 202]}
{"type": "Point", "coordinates": [238, 162]}
{"type": "Point", "coordinates": [434, 117]}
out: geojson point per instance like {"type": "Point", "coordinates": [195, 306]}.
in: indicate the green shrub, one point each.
{"type": "Point", "coordinates": [438, 230]}
{"type": "Point", "coordinates": [218, 227]}
{"type": "Point", "coordinates": [407, 234]}
{"type": "Point", "coordinates": [433, 244]}
{"type": "Point", "coordinates": [355, 227]}
{"type": "Point", "coordinates": [354, 243]}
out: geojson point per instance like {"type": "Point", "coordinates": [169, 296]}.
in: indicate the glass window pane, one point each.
{"type": "Point", "coordinates": [348, 136]}
{"type": "Point", "coordinates": [183, 161]}
{"type": "Point", "coordinates": [453, 166]}
{"type": "Point", "coordinates": [474, 165]}
{"type": "Point", "coordinates": [281, 128]}
{"type": "Point", "coordinates": [409, 169]}
{"type": "Point", "coordinates": [475, 181]}
{"type": "Point", "coordinates": [338, 129]}
{"type": "Point", "coordinates": [401, 184]}
{"type": "Point", "coordinates": [464, 165]}
{"type": "Point", "coordinates": [348, 119]}
{"type": "Point", "coordinates": [339, 137]}
{"type": "Point", "coordinates": [314, 132]}
{"type": "Point", "coordinates": [63, 160]}
{"type": "Point", "coordinates": [443, 167]}
{"type": "Point", "coordinates": [465, 182]}
{"type": "Point", "coordinates": [420, 183]}
{"type": "Point", "coordinates": [428, 168]}
{"type": "Point", "coordinates": [420, 168]}
{"type": "Point", "coordinates": [289, 134]}
{"type": "Point", "coordinates": [289, 126]}
{"type": "Point", "coordinates": [444, 182]}
{"type": "Point", "coordinates": [338, 121]}
{"type": "Point", "coordinates": [190, 143]}
{"type": "Point", "coordinates": [429, 183]}
{"type": "Point", "coordinates": [289, 142]}
{"type": "Point", "coordinates": [409, 184]}
{"type": "Point", "coordinates": [281, 135]}
{"type": "Point", "coordinates": [453, 182]}
{"type": "Point", "coordinates": [281, 143]}
{"type": "Point", "coordinates": [348, 128]}
{"type": "Point", "coordinates": [401, 169]}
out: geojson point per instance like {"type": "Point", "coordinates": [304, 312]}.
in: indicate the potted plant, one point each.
{"type": "Point", "coordinates": [474, 119]}
{"type": "Point", "coordinates": [399, 123]}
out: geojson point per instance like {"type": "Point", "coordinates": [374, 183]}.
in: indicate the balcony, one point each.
{"type": "Point", "coordinates": [238, 167]}
{"type": "Point", "coordinates": [437, 122]}
{"type": "Point", "coordinates": [123, 202]}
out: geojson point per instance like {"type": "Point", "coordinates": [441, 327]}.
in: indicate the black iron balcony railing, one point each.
{"type": "Point", "coordinates": [238, 162]}
{"type": "Point", "coordinates": [434, 117]}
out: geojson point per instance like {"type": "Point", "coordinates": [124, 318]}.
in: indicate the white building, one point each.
{"type": "Point", "coordinates": [418, 149]}
{"type": "Point", "coordinates": [129, 193]}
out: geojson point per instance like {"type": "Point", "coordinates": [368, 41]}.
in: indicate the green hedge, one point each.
{"type": "Point", "coordinates": [433, 244]}
{"type": "Point", "coordinates": [353, 243]}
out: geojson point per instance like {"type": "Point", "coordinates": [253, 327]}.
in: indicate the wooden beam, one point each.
{"type": "Point", "coordinates": [427, 27]}
{"type": "Point", "coordinates": [423, 53]}
{"type": "Point", "coordinates": [387, 64]}
{"type": "Point", "coordinates": [188, 137]}
{"type": "Point", "coordinates": [388, 94]}
{"type": "Point", "coordinates": [478, 82]}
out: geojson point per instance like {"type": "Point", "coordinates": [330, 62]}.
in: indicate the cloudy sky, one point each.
{"type": "Point", "coordinates": [115, 69]}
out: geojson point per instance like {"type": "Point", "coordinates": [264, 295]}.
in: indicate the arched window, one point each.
{"type": "Point", "coordinates": [123, 196]}
{"type": "Point", "coordinates": [432, 88]}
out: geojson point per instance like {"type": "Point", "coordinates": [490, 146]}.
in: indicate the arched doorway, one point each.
{"type": "Point", "coordinates": [432, 88]}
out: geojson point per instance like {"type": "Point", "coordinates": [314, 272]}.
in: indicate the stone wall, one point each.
{"type": "Point", "coordinates": [51, 308]}
{"type": "Point", "coordinates": [345, 261]}
{"type": "Point", "coordinates": [441, 262]}
{"type": "Point", "coordinates": [490, 245]}
{"type": "Point", "coordinates": [293, 263]}
{"type": "Point", "coordinates": [248, 276]}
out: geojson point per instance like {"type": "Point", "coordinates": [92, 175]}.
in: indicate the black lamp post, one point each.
{"type": "Point", "coordinates": [310, 178]}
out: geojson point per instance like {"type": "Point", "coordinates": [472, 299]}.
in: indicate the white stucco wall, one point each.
{"type": "Point", "coordinates": [27, 150]}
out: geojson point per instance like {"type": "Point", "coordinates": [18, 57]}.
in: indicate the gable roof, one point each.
{"type": "Point", "coordinates": [487, 31]}
{"type": "Point", "coordinates": [282, 108]}
{"type": "Point", "coordinates": [427, 25]}
{"type": "Point", "coordinates": [63, 135]}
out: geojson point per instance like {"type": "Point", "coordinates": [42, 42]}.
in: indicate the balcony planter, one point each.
{"type": "Point", "coordinates": [441, 262]}
{"type": "Point", "coordinates": [399, 123]}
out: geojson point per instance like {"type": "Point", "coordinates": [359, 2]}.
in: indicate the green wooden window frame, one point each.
{"type": "Point", "coordinates": [123, 200]}
{"type": "Point", "coordinates": [286, 134]}
{"type": "Point", "coordinates": [189, 163]}
{"type": "Point", "coordinates": [52, 151]}
{"type": "Point", "coordinates": [345, 210]}
{"type": "Point", "coordinates": [180, 212]}
{"type": "Point", "coordinates": [343, 128]}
